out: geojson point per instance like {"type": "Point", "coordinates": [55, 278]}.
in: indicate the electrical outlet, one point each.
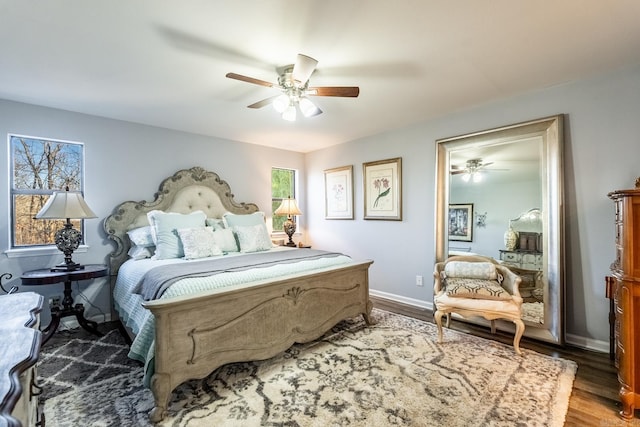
{"type": "Point", "coordinates": [418, 280]}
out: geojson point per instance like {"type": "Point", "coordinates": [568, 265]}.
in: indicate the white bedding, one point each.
{"type": "Point", "coordinates": [141, 322]}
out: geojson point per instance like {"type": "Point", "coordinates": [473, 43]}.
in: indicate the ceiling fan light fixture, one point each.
{"type": "Point", "coordinates": [477, 177]}
{"type": "Point", "coordinates": [290, 113]}
{"type": "Point", "coordinates": [303, 68]}
{"type": "Point", "coordinates": [281, 103]}
{"type": "Point", "coordinates": [308, 108]}
{"type": "Point", "coordinates": [466, 177]}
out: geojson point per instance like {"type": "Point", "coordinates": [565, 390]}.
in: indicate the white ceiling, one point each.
{"type": "Point", "coordinates": [163, 62]}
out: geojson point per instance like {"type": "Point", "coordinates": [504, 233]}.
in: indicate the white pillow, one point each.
{"type": "Point", "coordinates": [216, 223]}
{"type": "Point", "coordinates": [198, 242]}
{"type": "Point", "coordinates": [141, 236]}
{"type": "Point", "coordinates": [141, 252]}
{"type": "Point", "coordinates": [225, 240]}
{"type": "Point", "coordinates": [253, 238]}
{"type": "Point", "coordinates": [233, 220]}
{"type": "Point", "coordinates": [165, 226]}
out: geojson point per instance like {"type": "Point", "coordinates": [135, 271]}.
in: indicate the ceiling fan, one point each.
{"type": "Point", "coordinates": [472, 170]}
{"type": "Point", "coordinates": [293, 82]}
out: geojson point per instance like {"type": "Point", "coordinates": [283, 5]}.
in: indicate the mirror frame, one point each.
{"type": "Point", "coordinates": [550, 130]}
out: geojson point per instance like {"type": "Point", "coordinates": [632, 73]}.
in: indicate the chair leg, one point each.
{"type": "Point", "coordinates": [493, 326]}
{"type": "Point", "coordinates": [516, 339]}
{"type": "Point", "coordinates": [448, 320]}
{"type": "Point", "coordinates": [438, 319]}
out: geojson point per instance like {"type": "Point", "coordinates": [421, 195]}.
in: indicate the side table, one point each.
{"type": "Point", "coordinates": [47, 277]}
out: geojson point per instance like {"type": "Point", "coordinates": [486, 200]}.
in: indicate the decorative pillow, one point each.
{"type": "Point", "coordinates": [141, 252]}
{"type": "Point", "coordinates": [475, 288]}
{"type": "Point", "coordinates": [233, 220]}
{"type": "Point", "coordinates": [198, 242]}
{"type": "Point", "coordinates": [216, 223]}
{"type": "Point", "coordinates": [141, 236]}
{"type": "Point", "coordinates": [253, 238]}
{"type": "Point", "coordinates": [225, 240]}
{"type": "Point", "coordinates": [165, 226]}
{"type": "Point", "coordinates": [471, 270]}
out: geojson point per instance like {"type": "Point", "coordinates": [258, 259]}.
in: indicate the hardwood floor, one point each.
{"type": "Point", "coordinates": [594, 399]}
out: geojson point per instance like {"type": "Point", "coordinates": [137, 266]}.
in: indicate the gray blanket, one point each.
{"type": "Point", "coordinates": [157, 280]}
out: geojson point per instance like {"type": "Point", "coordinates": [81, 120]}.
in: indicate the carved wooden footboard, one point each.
{"type": "Point", "coordinates": [197, 334]}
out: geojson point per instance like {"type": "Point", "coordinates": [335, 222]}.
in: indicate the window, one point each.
{"type": "Point", "coordinates": [283, 185]}
{"type": "Point", "coordinates": [38, 167]}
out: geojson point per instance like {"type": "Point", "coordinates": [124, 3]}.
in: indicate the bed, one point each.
{"type": "Point", "coordinates": [203, 321]}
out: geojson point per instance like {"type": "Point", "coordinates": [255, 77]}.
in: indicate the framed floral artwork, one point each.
{"type": "Point", "coordinates": [461, 222]}
{"type": "Point", "coordinates": [383, 189]}
{"type": "Point", "coordinates": [338, 193]}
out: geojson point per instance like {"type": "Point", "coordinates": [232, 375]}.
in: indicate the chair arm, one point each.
{"type": "Point", "coordinates": [437, 280]}
{"type": "Point", "coordinates": [511, 281]}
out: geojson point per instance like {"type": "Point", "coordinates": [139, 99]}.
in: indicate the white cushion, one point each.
{"type": "Point", "coordinates": [141, 236]}
{"type": "Point", "coordinates": [471, 270]}
{"type": "Point", "coordinates": [198, 242]}
{"type": "Point", "coordinates": [164, 227]}
{"type": "Point", "coordinates": [253, 238]}
{"type": "Point", "coordinates": [233, 220]}
{"type": "Point", "coordinates": [141, 252]}
{"type": "Point", "coordinates": [225, 240]}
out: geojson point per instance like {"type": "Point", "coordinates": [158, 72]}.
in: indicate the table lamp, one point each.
{"type": "Point", "coordinates": [66, 205]}
{"type": "Point", "coordinates": [289, 208]}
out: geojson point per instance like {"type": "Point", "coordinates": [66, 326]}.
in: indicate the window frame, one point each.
{"type": "Point", "coordinates": [293, 195]}
{"type": "Point", "coordinates": [15, 250]}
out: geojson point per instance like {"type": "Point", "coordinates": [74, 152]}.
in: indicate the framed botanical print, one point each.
{"type": "Point", "coordinates": [383, 189]}
{"type": "Point", "coordinates": [338, 193]}
{"type": "Point", "coordinates": [461, 222]}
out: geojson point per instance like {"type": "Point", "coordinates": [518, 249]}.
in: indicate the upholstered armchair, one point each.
{"type": "Point", "coordinates": [477, 286]}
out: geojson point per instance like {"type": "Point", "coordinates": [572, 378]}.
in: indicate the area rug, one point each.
{"type": "Point", "coordinates": [390, 374]}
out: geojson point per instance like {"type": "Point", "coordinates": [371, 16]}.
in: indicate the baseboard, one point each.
{"type": "Point", "coordinates": [587, 343]}
{"type": "Point", "coordinates": [404, 300]}
{"type": "Point", "coordinates": [571, 339]}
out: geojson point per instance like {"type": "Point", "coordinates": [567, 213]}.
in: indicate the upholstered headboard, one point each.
{"type": "Point", "coordinates": [186, 191]}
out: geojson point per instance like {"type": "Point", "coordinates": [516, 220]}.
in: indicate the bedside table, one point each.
{"type": "Point", "coordinates": [47, 277]}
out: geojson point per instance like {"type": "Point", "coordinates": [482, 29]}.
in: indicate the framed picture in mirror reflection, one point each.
{"type": "Point", "coordinates": [461, 222]}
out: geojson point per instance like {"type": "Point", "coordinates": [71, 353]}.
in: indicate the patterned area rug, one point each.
{"type": "Point", "coordinates": [391, 374]}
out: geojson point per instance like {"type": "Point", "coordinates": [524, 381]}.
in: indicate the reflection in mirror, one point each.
{"type": "Point", "coordinates": [511, 177]}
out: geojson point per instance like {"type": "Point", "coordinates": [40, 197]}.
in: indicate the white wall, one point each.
{"type": "Point", "coordinates": [601, 154]}
{"type": "Point", "coordinates": [125, 161]}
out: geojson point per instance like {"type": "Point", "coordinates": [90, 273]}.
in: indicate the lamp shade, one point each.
{"type": "Point", "coordinates": [288, 207]}
{"type": "Point", "coordinates": [65, 204]}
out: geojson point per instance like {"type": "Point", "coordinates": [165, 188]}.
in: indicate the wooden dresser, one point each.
{"type": "Point", "coordinates": [626, 272]}
{"type": "Point", "coordinates": [19, 350]}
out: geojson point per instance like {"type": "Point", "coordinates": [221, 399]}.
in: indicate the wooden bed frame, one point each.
{"type": "Point", "coordinates": [198, 333]}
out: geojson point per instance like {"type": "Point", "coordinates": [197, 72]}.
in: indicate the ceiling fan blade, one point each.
{"type": "Point", "coordinates": [303, 68]}
{"type": "Point", "coordinates": [457, 172]}
{"type": "Point", "coordinates": [249, 80]}
{"type": "Point", "coordinates": [484, 165]}
{"type": "Point", "coordinates": [345, 91]}
{"type": "Point", "coordinates": [263, 103]}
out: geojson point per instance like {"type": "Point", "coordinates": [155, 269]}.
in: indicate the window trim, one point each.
{"type": "Point", "coordinates": [38, 249]}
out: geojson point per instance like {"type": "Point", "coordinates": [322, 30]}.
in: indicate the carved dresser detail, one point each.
{"type": "Point", "coordinates": [626, 272]}
{"type": "Point", "coordinates": [19, 313]}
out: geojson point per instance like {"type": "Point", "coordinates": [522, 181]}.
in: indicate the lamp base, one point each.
{"type": "Point", "coordinates": [68, 267]}
{"type": "Point", "coordinates": [291, 244]}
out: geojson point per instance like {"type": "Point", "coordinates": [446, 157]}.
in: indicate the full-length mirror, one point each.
{"type": "Point", "coordinates": [499, 194]}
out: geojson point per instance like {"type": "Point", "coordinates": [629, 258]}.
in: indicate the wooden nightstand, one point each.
{"type": "Point", "coordinates": [48, 277]}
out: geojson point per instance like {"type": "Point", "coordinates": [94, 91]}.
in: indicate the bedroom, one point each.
{"type": "Point", "coordinates": [127, 160]}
